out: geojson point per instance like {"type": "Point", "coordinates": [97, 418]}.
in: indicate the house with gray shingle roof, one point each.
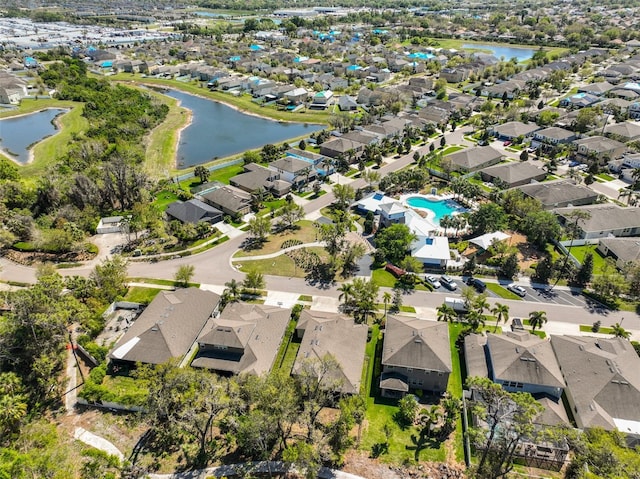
{"type": "Point", "coordinates": [230, 200]}
{"type": "Point", "coordinates": [193, 211]}
{"type": "Point", "coordinates": [336, 335]}
{"type": "Point", "coordinates": [552, 136]}
{"type": "Point", "coordinates": [474, 159]}
{"type": "Point", "coordinates": [244, 340]}
{"type": "Point", "coordinates": [627, 130]}
{"type": "Point", "coordinates": [416, 355]}
{"type": "Point", "coordinates": [167, 328]}
{"type": "Point", "coordinates": [601, 147]}
{"type": "Point", "coordinates": [514, 129]}
{"type": "Point", "coordinates": [515, 173]}
{"type": "Point", "coordinates": [622, 250]}
{"type": "Point", "coordinates": [605, 220]}
{"type": "Point", "coordinates": [603, 382]}
{"type": "Point", "coordinates": [559, 193]}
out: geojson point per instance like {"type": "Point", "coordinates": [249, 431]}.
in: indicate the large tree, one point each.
{"type": "Point", "coordinates": [488, 218]}
{"type": "Point", "coordinates": [505, 421]}
{"type": "Point", "coordinates": [344, 194]}
{"type": "Point", "coordinates": [394, 242]}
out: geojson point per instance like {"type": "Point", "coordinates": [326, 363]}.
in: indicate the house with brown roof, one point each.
{"type": "Point", "coordinates": [230, 200]}
{"type": "Point", "coordinates": [474, 159]}
{"type": "Point", "coordinates": [243, 340]}
{"type": "Point", "coordinates": [416, 355]}
{"type": "Point", "coordinates": [514, 173]}
{"type": "Point", "coordinates": [341, 147]}
{"type": "Point", "coordinates": [167, 328]}
{"type": "Point", "coordinates": [603, 382]}
{"type": "Point", "coordinates": [325, 333]}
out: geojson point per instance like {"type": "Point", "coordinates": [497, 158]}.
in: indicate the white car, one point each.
{"type": "Point", "coordinates": [448, 282]}
{"type": "Point", "coordinates": [433, 281]}
{"type": "Point", "coordinates": [519, 290]}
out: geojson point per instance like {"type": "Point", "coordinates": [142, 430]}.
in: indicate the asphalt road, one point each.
{"type": "Point", "coordinates": [214, 267]}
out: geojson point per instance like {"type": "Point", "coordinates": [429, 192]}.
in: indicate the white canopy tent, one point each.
{"type": "Point", "coordinates": [486, 240]}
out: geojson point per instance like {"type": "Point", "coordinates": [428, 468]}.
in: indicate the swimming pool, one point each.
{"type": "Point", "coordinates": [439, 207]}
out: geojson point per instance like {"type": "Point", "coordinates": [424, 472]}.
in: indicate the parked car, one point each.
{"type": "Point", "coordinates": [431, 279]}
{"type": "Point", "coordinates": [483, 143]}
{"type": "Point", "coordinates": [531, 149]}
{"type": "Point", "coordinates": [519, 290]}
{"type": "Point", "coordinates": [479, 285]}
{"type": "Point", "coordinates": [507, 143]}
{"type": "Point", "coordinates": [516, 325]}
{"type": "Point", "coordinates": [448, 282]}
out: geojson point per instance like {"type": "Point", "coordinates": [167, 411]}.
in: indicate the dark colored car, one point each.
{"type": "Point", "coordinates": [477, 284]}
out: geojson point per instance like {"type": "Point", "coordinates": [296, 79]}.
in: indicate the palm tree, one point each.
{"type": "Point", "coordinates": [573, 230]}
{"type": "Point", "coordinates": [346, 292]}
{"type": "Point", "coordinates": [386, 299]}
{"type": "Point", "coordinates": [480, 303]}
{"type": "Point", "coordinates": [537, 319]}
{"type": "Point", "coordinates": [234, 289]}
{"type": "Point", "coordinates": [501, 312]}
{"type": "Point", "coordinates": [446, 222]}
{"type": "Point", "coordinates": [619, 332]}
{"type": "Point", "coordinates": [475, 320]}
{"type": "Point", "coordinates": [446, 313]}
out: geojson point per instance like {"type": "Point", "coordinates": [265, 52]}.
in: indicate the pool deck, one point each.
{"type": "Point", "coordinates": [431, 215]}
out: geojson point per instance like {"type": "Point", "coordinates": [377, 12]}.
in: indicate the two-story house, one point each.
{"type": "Point", "coordinates": [416, 355]}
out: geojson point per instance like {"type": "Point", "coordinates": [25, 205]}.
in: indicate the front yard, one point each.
{"type": "Point", "coordinates": [306, 233]}
{"type": "Point", "coordinates": [579, 252]}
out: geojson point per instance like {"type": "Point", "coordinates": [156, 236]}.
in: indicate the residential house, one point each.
{"type": "Point", "coordinates": [167, 328]}
{"type": "Point", "coordinates": [622, 250]}
{"type": "Point", "coordinates": [596, 89]}
{"type": "Point", "coordinates": [111, 224]}
{"type": "Point", "coordinates": [416, 355]}
{"type": "Point", "coordinates": [552, 136]}
{"type": "Point", "coordinates": [625, 131]}
{"type": "Point", "coordinates": [335, 335]}
{"type": "Point", "coordinates": [509, 89]}
{"type": "Point", "coordinates": [12, 89]}
{"type": "Point", "coordinates": [294, 170]}
{"type": "Point", "coordinates": [322, 99]}
{"type": "Point", "coordinates": [244, 340]}
{"type": "Point", "coordinates": [634, 110]}
{"type": "Point", "coordinates": [513, 129]}
{"type": "Point", "coordinates": [193, 211]}
{"type": "Point", "coordinates": [431, 251]}
{"type": "Point", "coordinates": [517, 360]}
{"type": "Point", "coordinates": [515, 173]}
{"type": "Point", "coordinates": [347, 103]}
{"type": "Point", "coordinates": [605, 220]}
{"type": "Point", "coordinates": [341, 147]}
{"type": "Point", "coordinates": [454, 75]}
{"type": "Point", "coordinates": [579, 100]}
{"type": "Point", "coordinates": [600, 147]}
{"type": "Point", "coordinates": [435, 115]}
{"type": "Point", "coordinates": [474, 159]}
{"type": "Point", "coordinates": [559, 193]}
{"type": "Point", "coordinates": [297, 95]}
{"type": "Point", "coordinates": [257, 177]}
{"type": "Point", "coordinates": [366, 137]}
{"type": "Point", "coordinates": [230, 200]}
{"type": "Point", "coordinates": [603, 382]}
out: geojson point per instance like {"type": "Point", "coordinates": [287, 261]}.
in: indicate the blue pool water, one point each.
{"type": "Point", "coordinates": [440, 207]}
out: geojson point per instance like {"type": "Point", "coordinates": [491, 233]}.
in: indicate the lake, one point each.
{"type": "Point", "coordinates": [18, 133]}
{"type": "Point", "coordinates": [508, 53]}
{"type": "Point", "coordinates": [217, 131]}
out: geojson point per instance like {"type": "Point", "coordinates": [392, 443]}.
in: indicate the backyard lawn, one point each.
{"type": "Point", "coordinates": [381, 411]}
{"type": "Point", "coordinates": [579, 252]}
{"type": "Point", "coordinates": [140, 294]}
{"type": "Point", "coordinates": [163, 199]}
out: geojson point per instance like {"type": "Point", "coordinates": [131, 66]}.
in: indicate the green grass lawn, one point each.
{"type": "Point", "coordinates": [603, 330]}
{"type": "Point", "coordinates": [163, 199]}
{"type": "Point", "coordinates": [140, 294]}
{"type": "Point", "coordinates": [288, 350]}
{"type": "Point", "coordinates": [451, 149]}
{"type": "Point", "coordinates": [383, 278]}
{"type": "Point", "coordinates": [305, 297]}
{"type": "Point", "coordinates": [46, 152]}
{"type": "Point", "coordinates": [161, 282]}
{"type": "Point", "coordinates": [280, 265]}
{"type": "Point", "coordinates": [306, 234]}
{"type": "Point", "coordinates": [579, 252]}
{"type": "Point", "coordinates": [502, 292]}
{"type": "Point", "coordinates": [403, 308]}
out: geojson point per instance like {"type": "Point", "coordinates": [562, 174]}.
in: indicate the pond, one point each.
{"type": "Point", "coordinates": [520, 53]}
{"type": "Point", "coordinates": [19, 133]}
{"type": "Point", "coordinates": [217, 130]}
